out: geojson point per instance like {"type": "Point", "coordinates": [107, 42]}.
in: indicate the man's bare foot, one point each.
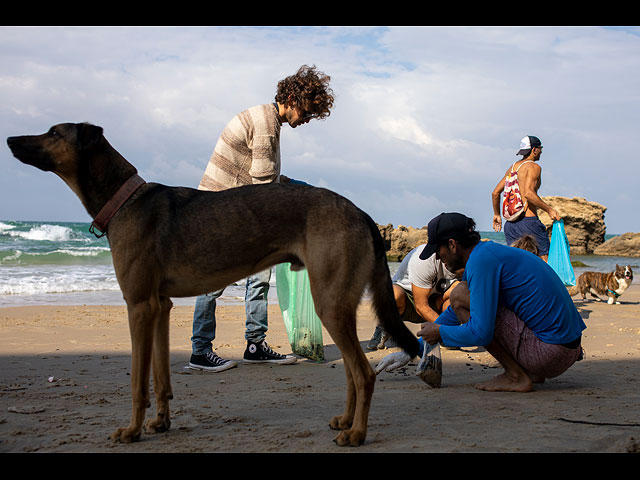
{"type": "Point", "coordinates": [503, 383]}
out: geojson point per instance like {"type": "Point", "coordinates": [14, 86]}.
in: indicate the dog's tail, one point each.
{"type": "Point", "coordinates": [383, 300]}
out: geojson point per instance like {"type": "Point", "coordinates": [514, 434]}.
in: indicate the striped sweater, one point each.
{"type": "Point", "coordinates": [247, 152]}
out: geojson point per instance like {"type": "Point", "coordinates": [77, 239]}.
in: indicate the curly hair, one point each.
{"type": "Point", "coordinates": [309, 89]}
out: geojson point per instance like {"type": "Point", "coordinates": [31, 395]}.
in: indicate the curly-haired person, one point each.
{"type": "Point", "coordinates": [248, 152]}
{"type": "Point", "coordinates": [307, 92]}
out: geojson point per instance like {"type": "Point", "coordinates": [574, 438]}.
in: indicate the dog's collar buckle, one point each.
{"type": "Point", "coordinates": [104, 216]}
{"type": "Point", "coordinates": [92, 229]}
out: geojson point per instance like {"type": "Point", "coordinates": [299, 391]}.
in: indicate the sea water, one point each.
{"type": "Point", "coordinates": [59, 263]}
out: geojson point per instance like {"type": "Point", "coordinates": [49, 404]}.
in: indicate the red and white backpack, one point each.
{"type": "Point", "coordinates": [512, 203]}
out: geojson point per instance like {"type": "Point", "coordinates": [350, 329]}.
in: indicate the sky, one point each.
{"type": "Point", "coordinates": [426, 119]}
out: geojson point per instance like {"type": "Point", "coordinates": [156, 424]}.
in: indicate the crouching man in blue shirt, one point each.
{"type": "Point", "coordinates": [509, 301]}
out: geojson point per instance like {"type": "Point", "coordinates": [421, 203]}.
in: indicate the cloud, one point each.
{"type": "Point", "coordinates": [426, 119]}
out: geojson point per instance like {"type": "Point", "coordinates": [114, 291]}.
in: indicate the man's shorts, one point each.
{"type": "Point", "coordinates": [528, 226]}
{"type": "Point", "coordinates": [410, 314]}
{"type": "Point", "coordinates": [542, 359]}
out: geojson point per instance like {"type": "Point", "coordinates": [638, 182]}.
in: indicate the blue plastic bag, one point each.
{"type": "Point", "coordinates": [559, 258]}
{"type": "Point", "coordinates": [303, 325]}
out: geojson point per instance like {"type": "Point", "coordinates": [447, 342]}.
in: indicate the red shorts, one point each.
{"type": "Point", "coordinates": [542, 359]}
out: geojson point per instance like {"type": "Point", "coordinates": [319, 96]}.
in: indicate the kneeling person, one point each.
{"type": "Point", "coordinates": [509, 301]}
{"type": "Point", "coordinates": [421, 288]}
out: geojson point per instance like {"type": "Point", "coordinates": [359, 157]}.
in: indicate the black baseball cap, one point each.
{"type": "Point", "coordinates": [442, 228]}
{"type": "Point", "coordinates": [527, 143]}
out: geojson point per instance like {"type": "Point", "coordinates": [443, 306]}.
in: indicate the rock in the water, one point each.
{"type": "Point", "coordinates": [583, 222]}
{"type": "Point", "coordinates": [625, 245]}
{"type": "Point", "coordinates": [400, 241]}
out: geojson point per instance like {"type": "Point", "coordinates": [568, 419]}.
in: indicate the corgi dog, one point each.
{"type": "Point", "coordinates": [611, 284]}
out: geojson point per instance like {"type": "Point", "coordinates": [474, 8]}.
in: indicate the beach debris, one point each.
{"type": "Point", "coordinates": [25, 410]}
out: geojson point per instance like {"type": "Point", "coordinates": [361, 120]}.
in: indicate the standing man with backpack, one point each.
{"type": "Point", "coordinates": [520, 201]}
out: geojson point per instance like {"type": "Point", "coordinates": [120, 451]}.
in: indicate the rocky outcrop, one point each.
{"type": "Point", "coordinates": [583, 222]}
{"type": "Point", "coordinates": [625, 245]}
{"type": "Point", "coordinates": [400, 241]}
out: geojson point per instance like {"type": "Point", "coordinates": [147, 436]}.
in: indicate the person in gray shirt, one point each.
{"type": "Point", "coordinates": [421, 289]}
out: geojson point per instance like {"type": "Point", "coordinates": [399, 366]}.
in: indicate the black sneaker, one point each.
{"type": "Point", "coordinates": [262, 353]}
{"type": "Point", "coordinates": [210, 362]}
{"type": "Point", "coordinates": [376, 341]}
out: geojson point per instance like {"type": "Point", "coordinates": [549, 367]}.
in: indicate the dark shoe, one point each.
{"type": "Point", "coordinates": [387, 342]}
{"type": "Point", "coordinates": [376, 341]}
{"type": "Point", "coordinates": [262, 353]}
{"type": "Point", "coordinates": [210, 362]}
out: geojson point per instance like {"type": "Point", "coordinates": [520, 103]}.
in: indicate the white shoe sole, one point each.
{"type": "Point", "coordinates": [284, 361]}
{"type": "Point", "coordinates": [220, 368]}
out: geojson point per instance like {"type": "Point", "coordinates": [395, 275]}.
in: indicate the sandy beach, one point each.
{"type": "Point", "coordinates": [64, 387]}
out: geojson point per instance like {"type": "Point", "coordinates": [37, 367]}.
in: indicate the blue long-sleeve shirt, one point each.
{"type": "Point", "coordinates": [520, 281]}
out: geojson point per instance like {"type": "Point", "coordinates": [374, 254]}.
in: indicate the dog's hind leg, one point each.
{"type": "Point", "coordinates": [341, 325]}
{"type": "Point", "coordinates": [142, 318]}
{"type": "Point", "coordinates": [161, 370]}
{"type": "Point", "coordinates": [360, 385]}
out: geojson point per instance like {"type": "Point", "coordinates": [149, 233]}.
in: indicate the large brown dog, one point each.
{"type": "Point", "coordinates": [181, 242]}
{"type": "Point", "coordinates": [611, 284]}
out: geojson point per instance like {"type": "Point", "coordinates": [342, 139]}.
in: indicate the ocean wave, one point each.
{"type": "Point", "coordinates": [61, 256]}
{"type": "Point", "coordinates": [5, 227]}
{"type": "Point", "coordinates": [47, 286]}
{"type": "Point", "coordinates": [57, 279]}
{"type": "Point", "coordinates": [45, 232]}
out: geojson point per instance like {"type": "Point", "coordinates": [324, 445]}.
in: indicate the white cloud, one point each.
{"type": "Point", "coordinates": [427, 117]}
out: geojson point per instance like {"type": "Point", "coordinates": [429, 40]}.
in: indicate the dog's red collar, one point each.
{"type": "Point", "coordinates": [104, 216]}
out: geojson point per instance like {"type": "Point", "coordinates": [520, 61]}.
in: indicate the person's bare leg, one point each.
{"type": "Point", "coordinates": [514, 378]}
{"type": "Point", "coordinates": [400, 297]}
{"type": "Point", "coordinates": [460, 301]}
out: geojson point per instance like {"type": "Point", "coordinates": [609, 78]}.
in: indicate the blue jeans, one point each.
{"type": "Point", "coordinates": [256, 303]}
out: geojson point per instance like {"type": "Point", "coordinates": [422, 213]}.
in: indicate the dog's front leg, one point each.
{"type": "Point", "coordinates": [141, 325]}
{"type": "Point", "coordinates": [161, 370]}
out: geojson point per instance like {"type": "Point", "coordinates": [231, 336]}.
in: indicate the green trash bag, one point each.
{"type": "Point", "coordinates": [559, 258]}
{"type": "Point", "coordinates": [300, 318]}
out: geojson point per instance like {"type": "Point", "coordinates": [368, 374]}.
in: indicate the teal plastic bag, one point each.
{"type": "Point", "coordinates": [559, 258]}
{"type": "Point", "coordinates": [303, 325]}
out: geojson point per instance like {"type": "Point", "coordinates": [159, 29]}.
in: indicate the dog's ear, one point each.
{"type": "Point", "coordinates": [88, 135]}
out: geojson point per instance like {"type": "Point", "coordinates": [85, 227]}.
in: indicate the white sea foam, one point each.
{"type": "Point", "coordinates": [5, 227]}
{"type": "Point", "coordinates": [17, 281]}
{"type": "Point", "coordinates": [52, 233]}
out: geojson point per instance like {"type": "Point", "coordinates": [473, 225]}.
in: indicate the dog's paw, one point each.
{"type": "Point", "coordinates": [337, 423]}
{"type": "Point", "coordinates": [157, 425]}
{"type": "Point", "coordinates": [350, 438]}
{"type": "Point", "coordinates": [125, 435]}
